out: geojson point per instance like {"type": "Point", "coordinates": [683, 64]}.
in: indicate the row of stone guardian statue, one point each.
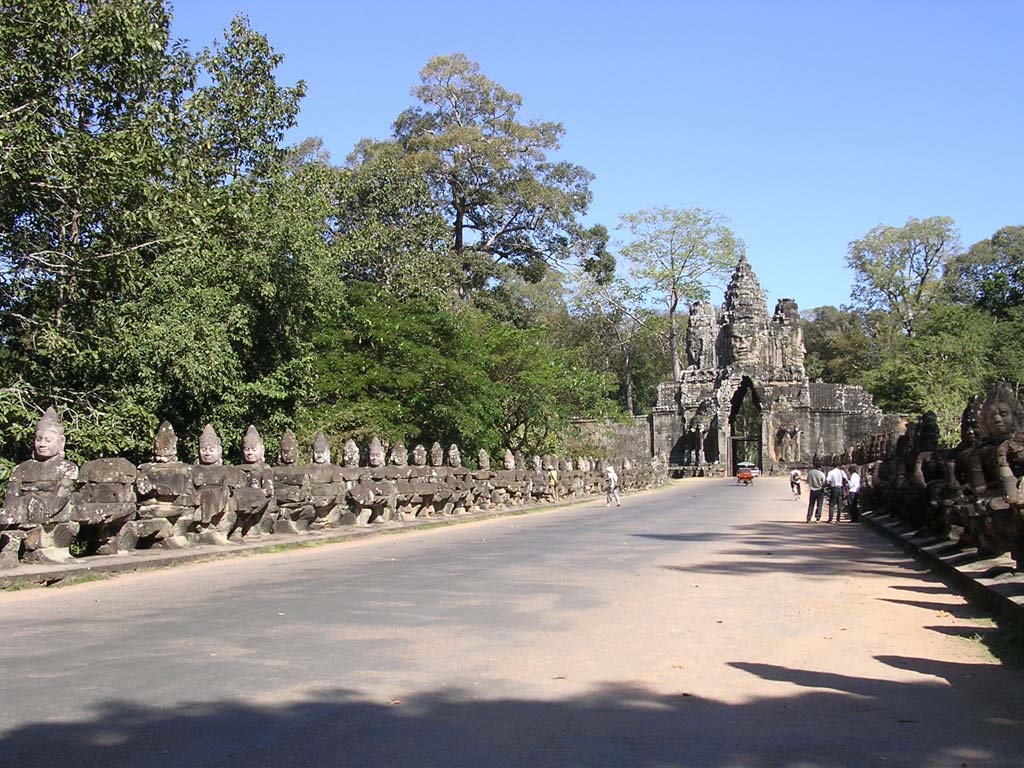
{"type": "Point", "coordinates": [972, 493]}
{"type": "Point", "coordinates": [54, 509]}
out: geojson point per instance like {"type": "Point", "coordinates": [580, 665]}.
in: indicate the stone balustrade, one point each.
{"type": "Point", "coordinates": [972, 493]}
{"type": "Point", "coordinates": [55, 510]}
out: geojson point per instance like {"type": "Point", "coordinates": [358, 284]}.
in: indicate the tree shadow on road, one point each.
{"type": "Point", "coordinates": [815, 549]}
{"type": "Point", "coordinates": [808, 719]}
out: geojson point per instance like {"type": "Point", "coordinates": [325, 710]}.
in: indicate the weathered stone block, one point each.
{"type": "Point", "coordinates": [108, 471]}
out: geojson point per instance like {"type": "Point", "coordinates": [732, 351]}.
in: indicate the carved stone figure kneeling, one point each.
{"type": "Point", "coordinates": [37, 523]}
{"type": "Point", "coordinates": [166, 499]}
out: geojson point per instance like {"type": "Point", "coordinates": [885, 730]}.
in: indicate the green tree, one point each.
{"type": "Point", "coordinates": [505, 201]}
{"type": "Point", "coordinates": [990, 274]}
{"type": "Point", "coordinates": [674, 254]}
{"type": "Point", "coordinates": [945, 362]}
{"type": "Point", "coordinates": [390, 231]}
{"type": "Point", "coordinates": [838, 347]}
{"type": "Point", "coordinates": [900, 269]}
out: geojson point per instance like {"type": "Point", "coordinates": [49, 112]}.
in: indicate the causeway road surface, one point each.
{"type": "Point", "coordinates": [703, 624]}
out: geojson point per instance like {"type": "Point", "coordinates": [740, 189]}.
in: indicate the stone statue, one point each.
{"type": "Point", "coordinates": [508, 460]}
{"type": "Point", "coordinates": [419, 456]}
{"type": "Point", "coordinates": [483, 459]}
{"type": "Point", "coordinates": [38, 500]}
{"type": "Point", "coordinates": [350, 454]}
{"type": "Point", "coordinates": [288, 452]}
{"type": "Point", "coordinates": [322, 449]}
{"type": "Point", "coordinates": [700, 336]}
{"type": "Point", "coordinates": [215, 483]}
{"type": "Point", "coordinates": [211, 451]}
{"type": "Point", "coordinates": [538, 464]}
{"type": "Point", "coordinates": [165, 444]}
{"type": "Point", "coordinates": [399, 456]}
{"type": "Point", "coordinates": [436, 455]}
{"type": "Point", "coordinates": [377, 458]}
{"type": "Point", "coordinates": [165, 497]}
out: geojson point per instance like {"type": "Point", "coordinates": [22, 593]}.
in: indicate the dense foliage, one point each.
{"type": "Point", "coordinates": [165, 254]}
{"type": "Point", "coordinates": [931, 323]}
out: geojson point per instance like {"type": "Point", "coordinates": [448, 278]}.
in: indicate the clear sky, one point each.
{"type": "Point", "coordinates": [805, 123]}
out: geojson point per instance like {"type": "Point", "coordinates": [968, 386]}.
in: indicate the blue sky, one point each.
{"type": "Point", "coordinates": [805, 123]}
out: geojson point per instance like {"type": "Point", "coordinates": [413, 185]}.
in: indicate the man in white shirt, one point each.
{"type": "Point", "coordinates": [836, 481]}
{"type": "Point", "coordinates": [853, 489]}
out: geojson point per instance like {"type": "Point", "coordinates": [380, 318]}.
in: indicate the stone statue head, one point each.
{"type": "Point", "coordinates": [436, 455]}
{"type": "Point", "coordinates": [520, 460]}
{"type": "Point", "coordinates": [399, 456]}
{"type": "Point", "coordinates": [288, 452]}
{"type": "Point", "coordinates": [538, 463]}
{"type": "Point", "coordinates": [49, 440]}
{"type": "Point", "coordinates": [626, 464]}
{"type": "Point", "coordinates": [928, 432]}
{"type": "Point", "coordinates": [969, 432]}
{"type": "Point", "coordinates": [454, 456]}
{"type": "Point", "coordinates": [483, 459]}
{"type": "Point", "coordinates": [165, 444]}
{"type": "Point", "coordinates": [350, 453]}
{"type": "Point", "coordinates": [254, 451]}
{"type": "Point", "coordinates": [321, 449]}
{"type": "Point", "coordinates": [1001, 414]}
{"type": "Point", "coordinates": [377, 457]}
{"type": "Point", "coordinates": [211, 451]}
{"type": "Point", "coordinates": [419, 455]}
{"type": "Point", "coordinates": [508, 460]}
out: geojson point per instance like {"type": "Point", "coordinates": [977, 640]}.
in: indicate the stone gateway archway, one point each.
{"type": "Point", "coordinates": [745, 426]}
{"type": "Point", "coordinates": [745, 395]}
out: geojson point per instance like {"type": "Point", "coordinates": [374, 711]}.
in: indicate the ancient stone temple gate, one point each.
{"type": "Point", "coordinates": [745, 395]}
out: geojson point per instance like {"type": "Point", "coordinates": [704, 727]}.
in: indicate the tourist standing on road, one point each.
{"type": "Point", "coordinates": [853, 489]}
{"type": "Point", "coordinates": [816, 485]}
{"type": "Point", "coordinates": [612, 487]}
{"type": "Point", "coordinates": [836, 481]}
{"type": "Point", "coordinates": [794, 483]}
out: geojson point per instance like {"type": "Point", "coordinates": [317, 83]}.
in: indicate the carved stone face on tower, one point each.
{"type": "Point", "coordinates": [49, 441]}
{"type": "Point", "coordinates": [741, 343]}
{"type": "Point", "coordinates": [211, 452]}
{"type": "Point", "coordinates": [165, 444]}
{"type": "Point", "coordinates": [254, 451]}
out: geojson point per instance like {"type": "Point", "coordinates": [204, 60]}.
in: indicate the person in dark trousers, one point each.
{"type": "Point", "coordinates": [836, 481]}
{"type": "Point", "coordinates": [816, 497]}
{"type": "Point", "coordinates": [853, 495]}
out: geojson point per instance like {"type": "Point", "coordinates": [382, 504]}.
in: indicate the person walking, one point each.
{"type": "Point", "coordinates": [836, 481]}
{"type": "Point", "coordinates": [852, 495]}
{"type": "Point", "coordinates": [816, 497]}
{"type": "Point", "coordinates": [794, 483]}
{"type": "Point", "coordinates": [612, 487]}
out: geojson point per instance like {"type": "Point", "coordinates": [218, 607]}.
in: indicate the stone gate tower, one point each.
{"type": "Point", "coordinates": [745, 395]}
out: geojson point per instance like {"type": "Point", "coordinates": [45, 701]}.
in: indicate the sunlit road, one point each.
{"type": "Point", "coordinates": [701, 625]}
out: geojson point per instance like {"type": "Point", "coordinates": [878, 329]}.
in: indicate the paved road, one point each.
{"type": "Point", "coordinates": [700, 625]}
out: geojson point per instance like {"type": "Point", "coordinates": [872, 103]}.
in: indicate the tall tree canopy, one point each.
{"type": "Point", "coordinates": [990, 274]}
{"type": "Point", "coordinates": [675, 253]}
{"type": "Point", "coordinates": [507, 204]}
{"type": "Point", "coordinates": [900, 269]}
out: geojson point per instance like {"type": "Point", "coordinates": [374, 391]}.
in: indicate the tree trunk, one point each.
{"type": "Point", "coordinates": [629, 376]}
